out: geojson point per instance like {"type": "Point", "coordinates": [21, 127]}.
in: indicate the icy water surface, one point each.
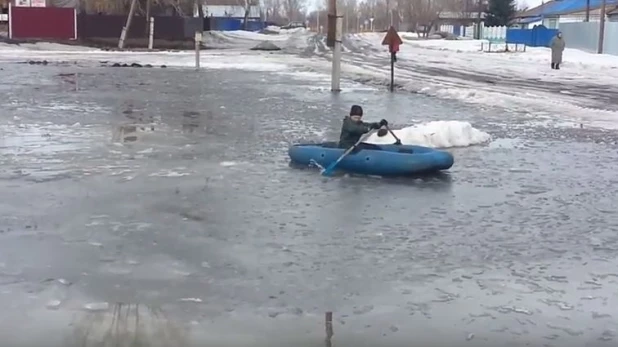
{"type": "Point", "coordinates": [170, 192]}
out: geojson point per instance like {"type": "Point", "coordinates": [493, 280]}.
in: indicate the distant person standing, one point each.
{"type": "Point", "coordinates": [557, 45]}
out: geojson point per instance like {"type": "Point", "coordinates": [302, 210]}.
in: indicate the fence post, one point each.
{"type": "Point", "coordinates": [151, 33]}
{"type": "Point", "coordinates": [10, 19]}
{"type": "Point", "coordinates": [74, 24]}
{"type": "Point", "coordinates": [601, 29]}
{"type": "Point", "coordinates": [198, 42]}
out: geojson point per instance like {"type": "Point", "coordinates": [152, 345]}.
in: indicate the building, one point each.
{"type": "Point", "coordinates": [552, 13]}
{"type": "Point", "coordinates": [229, 8]}
{"type": "Point", "coordinates": [612, 15]}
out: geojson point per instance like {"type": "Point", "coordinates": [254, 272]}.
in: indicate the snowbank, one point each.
{"type": "Point", "coordinates": [437, 134]}
{"type": "Point", "coordinates": [519, 81]}
{"type": "Point", "coordinates": [45, 46]}
{"type": "Point", "coordinates": [532, 54]}
{"type": "Point", "coordinates": [257, 36]}
{"type": "Point", "coordinates": [575, 57]}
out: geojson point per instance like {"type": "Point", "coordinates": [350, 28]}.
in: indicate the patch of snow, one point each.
{"type": "Point", "coordinates": [96, 306]}
{"type": "Point", "coordinates": [191, 300]}
{"type": "Point", "coordinates": [273, 28]}
{"type": "Point", "coordinates": [169, 173]}
{"type": "Point", "coordinates": [53, 304]}
{"type": "Point", "coordinates": [436, 134]}
{"type": "Point", "coordinates": [46, 46]}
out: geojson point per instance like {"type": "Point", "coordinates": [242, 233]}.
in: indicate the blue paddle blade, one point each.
{"type": "Point", "coordinates": [329, 170]}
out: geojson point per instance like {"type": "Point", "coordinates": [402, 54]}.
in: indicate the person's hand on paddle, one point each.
{"type": "Point", "coordinates": [380, 124]}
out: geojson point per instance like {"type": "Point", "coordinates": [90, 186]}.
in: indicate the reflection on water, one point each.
{"type": "Point", "coordinates": [127, 325]}
{"type": "Point", "coordinates": [130, 132]}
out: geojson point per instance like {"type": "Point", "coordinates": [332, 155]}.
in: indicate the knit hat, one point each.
{"type": "Point", "coordinates": [356, 111]}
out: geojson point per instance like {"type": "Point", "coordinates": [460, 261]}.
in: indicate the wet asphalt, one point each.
{"type": "Point", "coordinates": [162, 199]}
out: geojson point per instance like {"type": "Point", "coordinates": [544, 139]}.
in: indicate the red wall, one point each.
{"type": "Point", "coordinates": [42, 23]}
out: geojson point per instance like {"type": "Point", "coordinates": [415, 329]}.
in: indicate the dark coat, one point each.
{"type": "Point", "coordinates": [352, 131]}
{"type": "Point", "coordinates": [557, 45]}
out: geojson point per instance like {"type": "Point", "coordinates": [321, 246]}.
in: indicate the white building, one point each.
{"type": "Point", "coordinates": [229, 8]}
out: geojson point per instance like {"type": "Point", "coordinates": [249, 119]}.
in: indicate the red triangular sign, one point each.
{"type": "Point", "coordinates": [392, 38]}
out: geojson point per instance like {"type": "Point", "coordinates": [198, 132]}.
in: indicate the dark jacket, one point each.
{"type": "Point", "coordinates": [352, 131]}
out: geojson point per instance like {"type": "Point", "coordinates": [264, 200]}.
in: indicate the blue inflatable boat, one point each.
{"type": "Point", "coordinates": [384, 160]}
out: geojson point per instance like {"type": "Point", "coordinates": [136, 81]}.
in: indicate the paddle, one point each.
{"type": "Point", "coordinates": [382, 132]}
{"type": "Point", "coordinates": [329, 170]}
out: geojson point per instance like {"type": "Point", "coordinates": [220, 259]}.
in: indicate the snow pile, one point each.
{"type": "Point", "coordinates": [46, 46]}
{"type": "Point", "coordinates": [242, 35]}
{"type": "Point", "coordinates": [436, 134]}
{"type": "Point", "coordinates": [272, 29]}
{"type": "Point", "coordinates": [266, 46]}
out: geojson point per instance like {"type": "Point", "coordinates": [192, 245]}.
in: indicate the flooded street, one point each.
{"type": "Point", "coordinates": [170, 191]}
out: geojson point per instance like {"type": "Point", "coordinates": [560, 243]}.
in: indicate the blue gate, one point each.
{"type": "Point", "coordinates": [539, 36]}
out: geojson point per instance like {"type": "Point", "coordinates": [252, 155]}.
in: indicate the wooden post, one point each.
{"type": "Point", "coordinates": [198, 43]}
{"type": "Point", "coordinates": [393, 71]}
{"type": "Point", "coordinates": [328, 323]}
{"type": "Point", "coordinates": [602, 28]}
{"type": "Point", "coordinates": [336, 69]}
{"type": "Point", "coordinates": [125, 29]}
{"type": "Point", "coordinates": [151, 33]}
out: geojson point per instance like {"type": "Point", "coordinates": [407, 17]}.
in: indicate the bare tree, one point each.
{"type": "Point", "coordinates": [274, 11]}
{"type": "Point", "coordinates": [247, 5]}
{"type": "Point", "coordinates": [293, 9]}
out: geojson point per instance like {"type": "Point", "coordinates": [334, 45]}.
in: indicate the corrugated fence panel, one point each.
{"type": "Point", "coordinates": [521, 36]}
{"type": "Point", "coordinates": [42, 23]}
{"type": "Point", "coordinates": [232, 24]}
{"type": "Point", "coordinates": [610, 44]}
{"type": "Point", "coordinates": [584, 36]}
{"type": "Point", "coordinates": [109, 26]}
{"type": "Point", "coordinates": [192, 24]}
{"type": "Point", "coordinates": [255, 25]}
{"type": "Point", "coordinates": [165, 27]}
{"type": "Point", "coordinates": [539, 36]}
{"type": "Point", "coordinates": [225, 24]}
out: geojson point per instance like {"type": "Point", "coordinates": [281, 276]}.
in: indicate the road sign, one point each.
{"type": "Point", "coordinates": [392, 40]}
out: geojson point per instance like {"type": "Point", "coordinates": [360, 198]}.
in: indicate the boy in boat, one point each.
{"type": "Point", "coordinates": [353, 128]}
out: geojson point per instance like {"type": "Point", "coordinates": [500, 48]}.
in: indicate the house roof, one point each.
{"type": "Point", "coordinates": [558, 7]}
{"type": "Point", "coordinates": [613, 12]}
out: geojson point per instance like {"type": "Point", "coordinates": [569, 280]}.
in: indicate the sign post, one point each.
{"type": "Point", "coordinates": [393, 41]}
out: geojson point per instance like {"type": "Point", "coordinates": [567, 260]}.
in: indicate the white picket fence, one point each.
{"type": "Point", "coordinates": [494, 34]}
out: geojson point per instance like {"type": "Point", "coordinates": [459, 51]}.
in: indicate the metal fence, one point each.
{"type": "Point", "coordinates": [108, 26]}
{"type": "Point", "coordinates": [585, 36]}
{"type": "Point", "coordinates": [539, 36]}
{"type": "Point", "coordinates": [42, 23]}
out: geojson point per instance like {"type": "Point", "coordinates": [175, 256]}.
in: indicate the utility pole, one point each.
{"type": "Point", "coordinates": [602, 27]}
{"type": "Point", "coordinates": [147, 16]}
{"type": "Point", "coordinates": [479, 31]}
{"type": "Point", "coordinates": [333, 39]}
{"type": "Point", "coordinates": [388, 10]}
{"type": "Point", "coordinates": [125, 29]}
{"type": "Point", "coordinates": [587, 11]}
